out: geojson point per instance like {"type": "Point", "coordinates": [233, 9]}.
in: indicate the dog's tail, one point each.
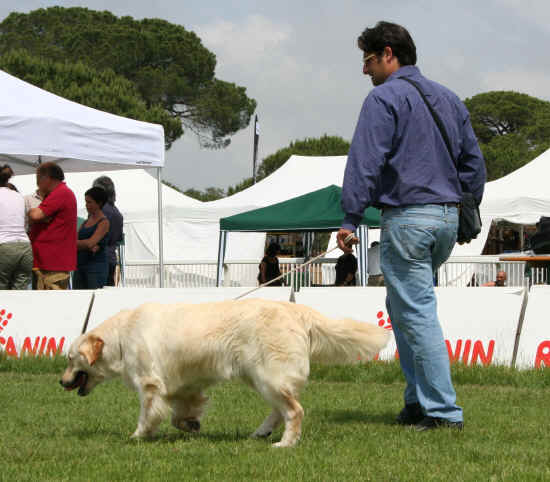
{"type": "Point", "coordinates": [345, 340]}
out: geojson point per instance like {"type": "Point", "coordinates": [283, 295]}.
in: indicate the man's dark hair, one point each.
{"type": "Point", "coordinates": [98, 194]}
{"type": "Point", "coordinates": [386, 34]}
{"type": "Point", "coordinates": [273, 249]}
{"type": "Point", "coordinates": [6, 172]}
{"type": "Point", "coordinates": [346, 264]}
{"type": "Point", "coordinates": [50, 169]}
{"type": "Point", "coordinates": [108, 185]}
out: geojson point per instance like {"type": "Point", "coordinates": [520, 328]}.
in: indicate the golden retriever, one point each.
{"type": "Point", "coordinates": [171, 353]}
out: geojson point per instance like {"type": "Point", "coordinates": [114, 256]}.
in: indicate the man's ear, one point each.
{"type": "Point", "coordinates": [91, 348]}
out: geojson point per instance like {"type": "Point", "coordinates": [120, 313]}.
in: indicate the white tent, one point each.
{"type": "Point", "coordinates": [522, 196]}
{"type": "Point", "coordinates": [38, 126]}
{"type": "Point", "coordinates": [299, 175]}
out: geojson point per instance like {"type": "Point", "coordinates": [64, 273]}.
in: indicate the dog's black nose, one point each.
{"type": "Point", "coordinates": [61, 382]}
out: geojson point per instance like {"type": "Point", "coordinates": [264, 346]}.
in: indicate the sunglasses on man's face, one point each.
{"type": "Point", "coordinates": [367, 58]}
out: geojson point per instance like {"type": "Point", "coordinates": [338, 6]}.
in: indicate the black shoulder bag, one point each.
{"type": "Point", "coordinates": [469, 219]}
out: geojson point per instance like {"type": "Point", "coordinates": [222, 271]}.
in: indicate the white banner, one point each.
{"type": "Point", "coordinates": [479, 324]}
{"type": "Point", "coordinates": [109, 302]}
{"type": "Point", "coordinates": [534, 345]}
{"type": "Point", "coordinates": [41, 322]}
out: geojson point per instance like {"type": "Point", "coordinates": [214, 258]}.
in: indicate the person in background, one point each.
{"type": "Point", "coordinates": [346, 267]}
{"type": "Point", "coordinates": [92, 262]}
{"type": "Point", "coordinates": [53, 229]}
{"type": "Point", "coordinates": [116, 222]}
{"type": "Point", "coordinates": [398, 161]}
{"type": "Point", "coordinates": [499, 281]}
{"type": "Point", "coordinates": [32, 201]}
{"type": "Point", "coordinates": [376, 278]}
{"type": "Point", "coordinates": [269, 266]}
{"type": "Point", "coordinates": [15, 248]}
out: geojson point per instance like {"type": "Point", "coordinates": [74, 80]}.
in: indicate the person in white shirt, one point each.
{"type": "Point", "coordinates": [15, 248]}
{"type": "Point", "coordinates": [376, 278]}
{"type": "Point", "coordinates": [32, 201]}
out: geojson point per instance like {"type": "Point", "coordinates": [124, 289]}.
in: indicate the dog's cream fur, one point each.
{"type": "Point", "coordinates": [171, 353]}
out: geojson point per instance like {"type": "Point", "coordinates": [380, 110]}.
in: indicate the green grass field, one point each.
{"type": "Point", "coordinates": [348, 432]}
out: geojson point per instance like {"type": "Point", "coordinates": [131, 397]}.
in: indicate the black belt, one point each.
{"type": "Point", "coordinates": [383, 207]}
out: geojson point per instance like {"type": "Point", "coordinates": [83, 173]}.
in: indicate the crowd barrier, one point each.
{"type": "Point", "coordinates": [534, 340]}
{"type": "Point", "coordinates": [481, 325]}
{"type": "Point", "coordinates": [41, 322]}
{"type": "Point", "coordinates": [110, 301]}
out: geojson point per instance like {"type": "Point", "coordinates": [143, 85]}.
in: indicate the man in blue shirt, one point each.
{"type": "Point", "coordinates": [398, 161]}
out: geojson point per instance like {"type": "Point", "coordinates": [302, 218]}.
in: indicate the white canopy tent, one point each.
{"type": "Point", "coordinates": [37, 126]}
{"type": "Point", "coordinates": [522, 196]}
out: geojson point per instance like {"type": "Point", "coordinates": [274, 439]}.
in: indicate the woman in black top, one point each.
{"type": "Point", "coordinates": [269, 266]}
{"type": "Point", "coordinates": [346, 267]}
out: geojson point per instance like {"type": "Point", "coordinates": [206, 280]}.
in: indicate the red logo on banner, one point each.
{"type": "Point", "coordinates": [383, 323]}
{"type": "Point", "coordinates": [4, 319]}
{"type": "Point", "coordinates": [462, 353]}
{"type": "Point", "coordinates": [40, 346]}
{"type": "Point", "coordinates": [543, 354]}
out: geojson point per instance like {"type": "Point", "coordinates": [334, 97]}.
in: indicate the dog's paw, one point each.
{"type": "Point", "coordinates": [261, 434]}
{"type": "Point", "coordinates": [193, 426]}
{"type": "Point", "coordinates": [188, 425]}
{"type": "Point", "coordinates": [282, 444]}
{"type": "Point", "coordinates": [140, 435]}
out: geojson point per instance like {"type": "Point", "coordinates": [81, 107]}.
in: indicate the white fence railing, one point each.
{"type": "Point", "coordinates": [457, 272]}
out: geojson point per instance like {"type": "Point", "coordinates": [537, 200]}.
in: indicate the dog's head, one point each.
{"type": "Point", "coordinates": [85, 369]}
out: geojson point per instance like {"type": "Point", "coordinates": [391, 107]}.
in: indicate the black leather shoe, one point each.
{"type": "Point", "coordinates": [429, 423]}
{"type": "Point", "coordinates": [410, 415]}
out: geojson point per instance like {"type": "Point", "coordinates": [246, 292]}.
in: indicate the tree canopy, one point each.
{"type": "Point", "coordinates": [167, 65]}
{"type": "Point", "coordinates": [209, 194]}
{"type": "Point", "coordinates": [322, 146]}
{"type": "Point", "coordinates": [512, 129]}
{"type": "Point", "coordinates": [102, 90]}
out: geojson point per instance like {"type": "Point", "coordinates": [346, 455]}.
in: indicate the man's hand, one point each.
{"type": "Point", "coordinates": [341, 236]}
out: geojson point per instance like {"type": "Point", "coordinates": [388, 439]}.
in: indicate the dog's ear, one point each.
{"type": "Point", "coordinates": [92, 348]}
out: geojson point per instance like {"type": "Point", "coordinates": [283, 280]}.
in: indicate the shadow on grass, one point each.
{"type": "Point", "coordinates": [161, 437]}
{"type": "Point", "coordinates": [216, 436]}
{"type": "Point", "coordinates": [361, 416]}
{"type": "Point", "coordinates": [93, 433]}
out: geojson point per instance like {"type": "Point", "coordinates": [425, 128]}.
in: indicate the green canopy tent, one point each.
{"type": "Point", "coordinates": [315, 211]}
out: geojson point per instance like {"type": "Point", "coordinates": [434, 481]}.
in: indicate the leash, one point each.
{"type": "Point", "coordinates": [348, 238]}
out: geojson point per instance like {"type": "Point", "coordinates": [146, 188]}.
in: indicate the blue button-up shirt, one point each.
{"type": "Point", "coordinates": [398, 156]}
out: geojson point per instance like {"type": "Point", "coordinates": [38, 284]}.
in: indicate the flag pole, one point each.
{"type": "Point", "coordinates": [255, 153]}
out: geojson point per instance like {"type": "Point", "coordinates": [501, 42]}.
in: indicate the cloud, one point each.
{"type": "Point", "coordinates": [535, 11]}
{"type": "Point", "coordinates": [244, 43]}
{"type": "Point", "coordinates": [533, 83]}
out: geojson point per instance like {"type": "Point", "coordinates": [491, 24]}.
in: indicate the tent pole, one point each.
{"type": "Point", "coordinates": [161, 246]}
{"type": "Point", "coordinates": [221, 257]}
{"type": "Point", "coordinates": [362, 250]}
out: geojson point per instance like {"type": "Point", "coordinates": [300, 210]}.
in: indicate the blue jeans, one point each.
{"type": "Point", "coordinates": [415, 241]}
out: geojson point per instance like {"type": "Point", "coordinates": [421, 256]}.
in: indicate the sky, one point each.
{"type": "Point", "coordinates": [300, 62]}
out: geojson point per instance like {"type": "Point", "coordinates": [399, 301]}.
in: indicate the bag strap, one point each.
{"type": "Point", "coordinates": [436, 118]}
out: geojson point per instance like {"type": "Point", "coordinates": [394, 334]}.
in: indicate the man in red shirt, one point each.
{"type": "Point", "coordinates": [53, 232]}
